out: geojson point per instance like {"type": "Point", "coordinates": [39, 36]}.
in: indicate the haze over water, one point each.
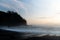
{"type": "Point", "coordinates": [35, 29]}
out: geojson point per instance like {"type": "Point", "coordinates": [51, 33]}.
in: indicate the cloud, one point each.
{"type": "Point", "coordinates": [44, 17]}
{"type": "Point", "coordinates": [16, 5]}
{"type": "Point", "coordinates": [21, 5]}
{"type": "Point", "coordinates": [7, 6]}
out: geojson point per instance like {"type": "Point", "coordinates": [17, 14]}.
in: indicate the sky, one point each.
{"type": "Point", "coordinates": [36, 12]}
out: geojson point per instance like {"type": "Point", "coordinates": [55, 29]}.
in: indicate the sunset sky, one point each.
{"type": "Point", "coordinates": [34, 11]}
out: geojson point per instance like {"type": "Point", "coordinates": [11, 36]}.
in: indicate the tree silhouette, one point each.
{"type": "Point", "coordinates": [11, 18]}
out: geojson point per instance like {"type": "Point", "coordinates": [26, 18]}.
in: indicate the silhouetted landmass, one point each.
{"type": "Point", "coordinates": [11, 18]}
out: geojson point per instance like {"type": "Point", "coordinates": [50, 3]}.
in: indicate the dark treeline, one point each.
{"type": "Point", "coordinates": [11, 18]}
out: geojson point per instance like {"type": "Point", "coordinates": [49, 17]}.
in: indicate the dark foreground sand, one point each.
{"type": "Point", "coordinates": [9, 35]}
{"type": "Point", "coordinates": [45, 38]}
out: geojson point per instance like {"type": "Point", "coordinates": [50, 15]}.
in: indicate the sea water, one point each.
{"type": "Point", "coordinates": [35, 29]}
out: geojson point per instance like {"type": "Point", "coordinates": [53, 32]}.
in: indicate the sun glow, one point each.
{"type": "Point", "coordinates": [55, 20]}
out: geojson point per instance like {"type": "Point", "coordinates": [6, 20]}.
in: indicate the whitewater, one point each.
{"type": "Point", "coordinates": [43, 30]}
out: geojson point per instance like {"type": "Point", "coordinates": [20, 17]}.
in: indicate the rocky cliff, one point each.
{"type": "Point", "coordinates": [11, 18]}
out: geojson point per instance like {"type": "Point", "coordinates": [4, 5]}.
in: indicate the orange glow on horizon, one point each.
{"type": "Point", "coordinates": [44, 21]}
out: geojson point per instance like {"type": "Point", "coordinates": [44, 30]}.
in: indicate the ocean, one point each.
{"type": "Point", "coordinates": [42, 30]}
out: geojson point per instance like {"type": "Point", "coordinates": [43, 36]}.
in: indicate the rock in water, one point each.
{"type": "Point", "coordinates": [11, 18]}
